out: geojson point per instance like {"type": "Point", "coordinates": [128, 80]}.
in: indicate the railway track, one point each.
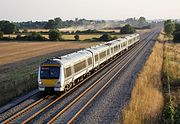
{"type": "Point", "coordinates": [19, 105]}
{"type": "Point", "coordinates": [99, 91]}
{"type": "Point", "coordinates": [12, 118]}
{"type": "Point", "coordinates": [132, 54]}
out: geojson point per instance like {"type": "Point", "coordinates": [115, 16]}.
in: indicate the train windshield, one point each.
{"type": "Point", "coordinates": [50, 72]}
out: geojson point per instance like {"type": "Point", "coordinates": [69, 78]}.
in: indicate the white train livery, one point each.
{"type": "Point", "coordinates": [61, 73]}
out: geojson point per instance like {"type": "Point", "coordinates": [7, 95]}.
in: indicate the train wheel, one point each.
{"type": "Point", "coordinates": [68, 86]}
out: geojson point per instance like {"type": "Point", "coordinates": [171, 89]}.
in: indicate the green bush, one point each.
{"type": "Point", "coordinates": [127, 29]}
{"type": "Point", "coordinates": [169, 27]}
{"type": "Point", "coordinates": [176, 37]}
{"type": "Point", "coordinates": [76, 37]}
{"type": "Point", "coordinates": [7, 27]}
{"type": "Point", "coordinates": [177, 115]}
{"type": "Point", "coordinates": [105, 37]}
{"type": "Point", "coordinates": [169, 113]}
{"type": "Point", "coordinates": [34, 36]}
{"type": "Point", "coordinates": [55, 35]}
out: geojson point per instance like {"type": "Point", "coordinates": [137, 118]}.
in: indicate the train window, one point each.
{"type": "Point", "coordinates": [49, 72]}
{"type": "Point", "coordinates": [68, 72]}
{"type": "Point", "coordinates": [102, 54]}
{"type": "Point", "coordinates": [123, 44]}
{"type": "Point", "coordinates": [130, 41]}
{"type": "Point", "coordinates": [108, 52]}
{"type": "Point", "coordinates": [96, 58]}
{"type": "Point", "coordinates": [79, 66]}
{"type": "Point", "coordinates": [116, 48]}
{"type": "Point", "coordinates": [89, 61]}
{"type": "Point", "coordinates": [111, 50]}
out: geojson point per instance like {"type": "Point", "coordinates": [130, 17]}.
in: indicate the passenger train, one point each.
{"type": "Point", "coordinates": [61, 73]}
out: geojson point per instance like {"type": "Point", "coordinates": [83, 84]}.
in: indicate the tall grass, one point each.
{"type": "Point", "coordinates": [147, 100]}
{"type": "Point", "coordinates": [171, 82]}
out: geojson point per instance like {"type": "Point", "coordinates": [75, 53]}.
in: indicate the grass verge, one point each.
{"type": "Point", "coordinates": [171, 83]}
{"type": "Point", "coordinates": [147, 100]}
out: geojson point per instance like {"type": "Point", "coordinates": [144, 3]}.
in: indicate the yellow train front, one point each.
{"type": "Point", "coordinates": [49, 76]}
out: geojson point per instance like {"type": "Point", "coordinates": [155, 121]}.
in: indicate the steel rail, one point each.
{"type": "Point", "coordinates": [82, 94]}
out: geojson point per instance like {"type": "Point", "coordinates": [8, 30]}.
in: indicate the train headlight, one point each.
{"type": "Point", "coordinates": [40, 83]}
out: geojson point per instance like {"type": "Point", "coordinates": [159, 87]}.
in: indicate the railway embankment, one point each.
{"type": "Point", "coordinates": [171, 83]}
{"type": "Point", "coordinates": [147, 99]}
{"type": "Point", "coordinates": [155, 97]}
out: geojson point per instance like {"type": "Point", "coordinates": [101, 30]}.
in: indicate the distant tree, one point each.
{"type": "Point", "coordinates": [167, 21]}
{"type": "Point", "coordinates": [169, 27]}
{"type": "Point", "coordinates": [177, 27]}
{"type": "Point", "coordinates": [177, 37]}
{"type": "Point", "coordinates": [1, 35]}
{"type": "Point", "coordinates": [17, 31]}
{"type": "Point", "coordinates": [76, 37]}
{"type": "Point", "coordinates": [105, 37]}
{"type": "Point", "coordinates": [18, 37]}
{"type": "Point", "coordinates": [131, 20]}
{"type": "Point", "coordinates": [34, 36]}
{"type": "Point", "coordinates": [55, 35]}
{"type": "Point", "coordinates": [7, 27]}
{"type": "Point", "coordinates": [58, 22]}
{"type": "Point", "coordinates": [142, 21]}
{"type": "Point", "coordinates": [127, 29]}
{"type": "Point", "coordinates": [51, 24]}
{"type": "Point", "coordinates": [25, 31]}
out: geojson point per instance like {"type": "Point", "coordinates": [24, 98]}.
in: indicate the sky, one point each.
{"type": "Point", "coordinates": [42, 10]}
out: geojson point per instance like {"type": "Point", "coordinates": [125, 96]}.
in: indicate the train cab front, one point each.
{"type": "Point", "coordinates": [49, 76]}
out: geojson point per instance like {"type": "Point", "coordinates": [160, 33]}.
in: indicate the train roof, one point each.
{"type": "Point", "coordinates": [74, 57]}
{"type": "Point", "coordinates": [97, 49]}
{"type": "Point", "coordinates": [68, 59]}
{"type": "Point", "coordinates": [115, 42]}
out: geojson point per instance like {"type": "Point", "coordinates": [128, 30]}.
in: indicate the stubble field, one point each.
{"type": "Point", "coordinates": [16, 51]}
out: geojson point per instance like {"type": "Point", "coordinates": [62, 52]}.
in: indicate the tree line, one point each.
{"type": "Point", "coordinates": [7, 27]}
{"type": "Point", "coordinates": [56, 23]}
{"type": "Point", "coordinates": [172, 28]}
{"type": "Point", "coordinates": [54, 34]}
{"type": "Point", "coordinates": [141, 22]}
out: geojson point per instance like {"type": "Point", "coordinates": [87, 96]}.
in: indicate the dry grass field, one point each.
{"type": "Point", "coordinates": [147, 100]}
{"type": "Point", "coordinates": [15, 51]}
{"type": "Point", "coordinates": [81, 37]}
{"type": "Point", "coordinates": [172, 53]}
{"type": "Point", "coordinates": [110, 30]}
{"type": "Point", "coordinates": [143, 31]}
{"type": "Point", "coordinates": [155, 97]}
{"type": "Point", "coordinates": [171, 81]}
{"type": "Point", "coordinates": [35, 30]}
{"type": "Point", "coordinates": [85, 37]}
